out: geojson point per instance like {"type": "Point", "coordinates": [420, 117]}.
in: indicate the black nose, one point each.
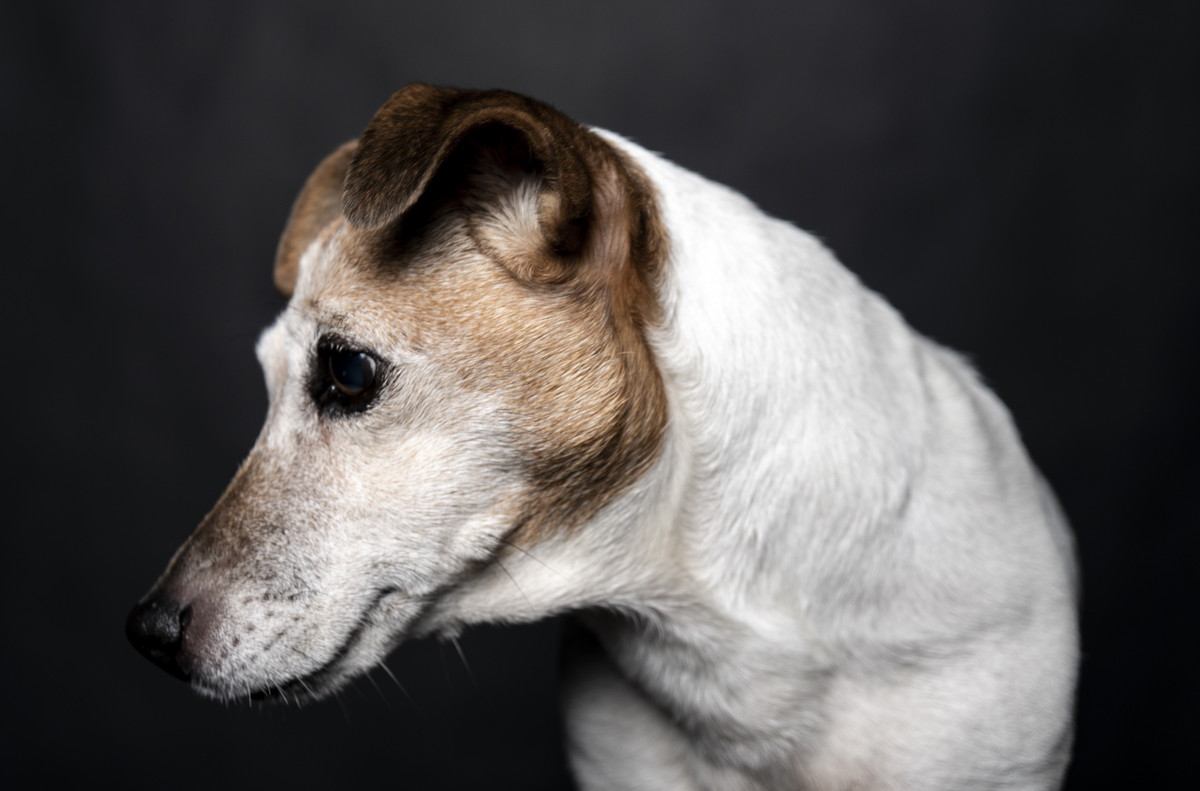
{"type": "Point", "coordinates": [155, 627]}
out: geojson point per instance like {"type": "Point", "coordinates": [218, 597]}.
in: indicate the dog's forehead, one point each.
{"type": "Point", "coordinates": [437, 292]}
{"type": "Point", "coordinates": [380, 295]}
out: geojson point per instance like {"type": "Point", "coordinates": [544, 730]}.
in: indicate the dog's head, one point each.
{"type": "Point", "coordinates": [462, 368]}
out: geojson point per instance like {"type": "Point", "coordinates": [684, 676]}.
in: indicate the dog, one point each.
{"type": "Point", "coordinates": [528, 367]}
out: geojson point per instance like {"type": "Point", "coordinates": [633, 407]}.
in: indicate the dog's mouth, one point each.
{"type": "Point", "coordinates": [326, 678]}
{"type": "Point", "coordinates": [388, 617]}
{"type": "Point", "coordinates": [337, 669]}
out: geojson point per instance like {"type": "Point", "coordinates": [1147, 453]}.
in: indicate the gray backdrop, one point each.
{"type": "Point", "coordinates": [1019, 178]}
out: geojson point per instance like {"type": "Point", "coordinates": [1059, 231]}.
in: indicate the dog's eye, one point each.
{"type": "Point", "coordinates": [344, 379]}
{"type": "Point", "coordinates": [352, 372]}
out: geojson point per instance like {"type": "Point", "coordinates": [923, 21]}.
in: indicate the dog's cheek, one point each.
{"type": "Point", "coordinates": [341, 517]}
{"type": "Point", "coordinates": [433, 500]}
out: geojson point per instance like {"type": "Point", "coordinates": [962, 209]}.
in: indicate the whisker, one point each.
{"type": "Point", "coordinates": [307, 688]}
{"type": "Point", "coordinates": [507, 573]}
{"type": "Point", "coordinates": [530, 555]}
{"type": "Point", "coordinates": [305, 655]}
{"type": "Point", "coordinates": [371, 678]}
{"type": "Point", "coordinates": [396, 681]}
{"type": "Point", "coordinates": [463, 657]}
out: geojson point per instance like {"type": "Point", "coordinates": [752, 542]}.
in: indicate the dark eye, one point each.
{"type": "Point", "coordinates": [345, 379]}
{"type": "Point", "coordinates": [352, 372]}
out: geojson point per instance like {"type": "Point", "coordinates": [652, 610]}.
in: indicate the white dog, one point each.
{"type": "Point", "coordinates": [531, 368]}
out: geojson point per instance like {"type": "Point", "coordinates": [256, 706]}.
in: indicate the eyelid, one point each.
{"type": "Point", "coordinates": [334, 339]}
{"type": "Point", "coordinates": [330, 399]}
{"type": "Point", "coordinates": [399, 345]}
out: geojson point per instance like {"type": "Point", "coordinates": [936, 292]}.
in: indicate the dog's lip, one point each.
{"type": "Point", "coordinates": [314, 682]}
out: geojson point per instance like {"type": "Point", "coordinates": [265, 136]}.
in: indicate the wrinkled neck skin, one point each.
{"type": "Point", "coordinates": [778, 558]}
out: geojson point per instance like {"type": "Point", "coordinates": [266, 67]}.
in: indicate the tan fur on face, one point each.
{"type": "Point", "coordinates": [558, 337]}
{"type": "Point", "coordinates": [318, 204]}
{"type": "Point", "coordinates": [568, 360]}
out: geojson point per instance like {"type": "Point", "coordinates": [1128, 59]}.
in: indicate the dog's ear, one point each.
{"type": "Point", "coordinates": [461, 140]}
{"type": "Point", "coordinates": [318, 204]}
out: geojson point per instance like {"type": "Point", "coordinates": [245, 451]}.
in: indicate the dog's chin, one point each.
{"type": "Point", "coordinates": [381, 627]}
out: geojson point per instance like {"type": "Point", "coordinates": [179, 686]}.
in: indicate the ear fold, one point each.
{"type": "Point", "coordinates": [421, 126]}
{"type": "Point", "coordinates": [317, 205]}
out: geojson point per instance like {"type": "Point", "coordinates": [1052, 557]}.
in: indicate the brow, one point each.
{"type": "Point", "coordinates": [337, 323]}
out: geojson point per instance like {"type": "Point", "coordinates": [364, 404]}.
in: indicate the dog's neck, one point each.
{"type": "Point", "coordinates": [784, 374]}
{"type": "Point", "coordinates": [728, 550]}
{"type": "Point", "coordinates": [798, 409]}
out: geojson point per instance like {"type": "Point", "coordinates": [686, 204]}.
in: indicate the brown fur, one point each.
{"type": "Point", "coordinates": [317, 205]}
{"type": "Point", "coordinates": [420, 126]}
{"type": "Point", "coordinates": [550, 315]}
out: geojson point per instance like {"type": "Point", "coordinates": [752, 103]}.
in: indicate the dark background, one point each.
{"type": "Point", "coordinates": [1019, 178]}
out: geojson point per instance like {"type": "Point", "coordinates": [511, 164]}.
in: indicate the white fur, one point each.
{"type": "Point", "coordinates": [842, 571]}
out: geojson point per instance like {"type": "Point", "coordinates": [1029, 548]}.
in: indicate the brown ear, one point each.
{"type": "Point", "coordinates": [420, 126]}
{"type": "Point", "coordinates": [317, 205]}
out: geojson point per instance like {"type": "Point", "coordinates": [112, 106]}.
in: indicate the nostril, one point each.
{"type": "Point", "coordinates": [155, 627]}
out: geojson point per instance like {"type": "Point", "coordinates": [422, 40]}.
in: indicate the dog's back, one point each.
{"type": "Point", "coordinates": [867, 514]}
